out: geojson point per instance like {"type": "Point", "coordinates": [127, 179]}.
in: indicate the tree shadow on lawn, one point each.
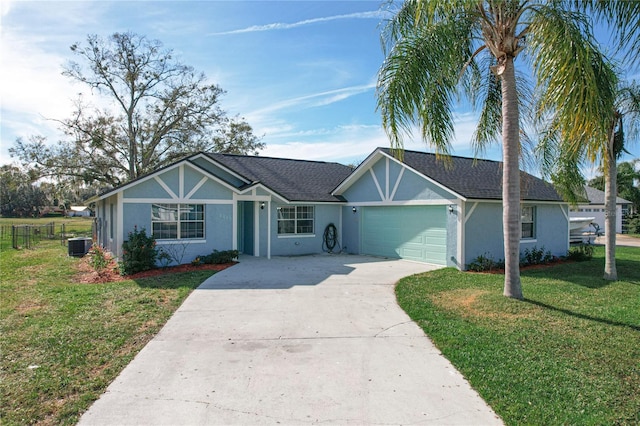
{"type": "Point", "coordinates": [581, 316]}
{"type": "Point", "coordinates": [588, 274]}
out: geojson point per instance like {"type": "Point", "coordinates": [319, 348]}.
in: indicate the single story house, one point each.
{"type": "Point", "coordinates": [418, 208]}
{"type": "Point", "coordinates": [79, 211]}
{"type": "Point", "coordinates": [593, 206]}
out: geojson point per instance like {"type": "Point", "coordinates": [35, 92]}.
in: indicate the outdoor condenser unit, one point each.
{"type": "Point", "coordinates": [78, 247]}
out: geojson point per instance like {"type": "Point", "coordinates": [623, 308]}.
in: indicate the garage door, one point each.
{"type": "Point", "coordinates": [406, 232]}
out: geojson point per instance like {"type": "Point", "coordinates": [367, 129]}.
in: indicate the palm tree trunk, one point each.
{"type": "Point", "coordinates": [511, 216]}
{"type": "Point", "coordinates": [610, 193]}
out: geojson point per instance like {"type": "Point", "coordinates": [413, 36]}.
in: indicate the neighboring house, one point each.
{"type": "Point", "coordinates": [419, 208]}
{"type": "Point", "coordinates": [79, 211]}
{"type": "Point", "coordinates": [594, 207]}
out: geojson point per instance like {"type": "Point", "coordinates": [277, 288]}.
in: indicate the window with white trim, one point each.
{"type": "Point", "coordinates": [528, 218]}
{"type": "Point", "coordinates": [177, 221]}
{"type": "Point", "coordinates": [295, 220]}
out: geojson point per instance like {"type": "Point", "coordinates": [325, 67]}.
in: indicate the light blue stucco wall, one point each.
{"type": "Point", "coordinates": [484, 231]}
{"type": "Point", "coordinates": [218, 230]}
{"type": "Point", "coordinates": [452, 238]}
{"type": "Point", "coordinates": [299, 245]}
{"type": "Point", "coordinates": [412, 187]}
{"type": "Point", "coordinates": [150, 188]}
{"type": "Point", "coordinates": [363, 190]}
{"type": "Point", "coordinates": [212, 190]}
{"type": "Point", "coordinates": [107, 220]}
{"type": "Point", "coordinates": [415, 187]}
{"type": "Point", "coordinates": [551, 229]}
{"type": "Point", "coordinates": [350, 230]}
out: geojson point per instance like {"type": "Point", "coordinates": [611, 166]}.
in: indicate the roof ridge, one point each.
{"type": "Point", "coordinates": [447, 155]}
{"type": "Point", "coordinates": [276, 158]}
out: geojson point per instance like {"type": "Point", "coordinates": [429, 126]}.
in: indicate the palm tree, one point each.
{"type": "Point", "coordinates": [436, 49]}
{"type": "Point", "coordinates": [625, 122]}
{"type": "Point", "coordinates": [623, 126]}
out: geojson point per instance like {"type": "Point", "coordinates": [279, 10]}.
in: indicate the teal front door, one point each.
{"type": "Point", "coordinates": [406, 232]}
{"type": "Point", "coordinates": [246, 227]}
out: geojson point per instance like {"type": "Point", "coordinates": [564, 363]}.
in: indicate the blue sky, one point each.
{"type": "Point", "coordinates": [302, 73]}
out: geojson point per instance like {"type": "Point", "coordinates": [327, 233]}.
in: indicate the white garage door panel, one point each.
{"type": "Point", "coordinates": [408, 232]}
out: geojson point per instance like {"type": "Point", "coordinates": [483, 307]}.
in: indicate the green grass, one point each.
{"type": "Point", "coordinates": [63, 342]}
{"type": "Point", "coordinates": [568, 354]}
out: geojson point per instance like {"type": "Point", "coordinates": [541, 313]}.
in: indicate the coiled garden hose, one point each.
{"type": "Point", "coordinates": [330, 238]}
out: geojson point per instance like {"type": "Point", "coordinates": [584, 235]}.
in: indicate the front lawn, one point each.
{"type": "Point", "coordinates": [568, 354]}
{"type": "Point", "coordinates": [63, 341]}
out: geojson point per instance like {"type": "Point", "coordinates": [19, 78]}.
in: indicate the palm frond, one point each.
{"type": "Point", "coordinates": [576, 81]}
{"type": "Point", "coordinates": [418, 81]}
{"type": "Point", "coordinates": [624, 18]}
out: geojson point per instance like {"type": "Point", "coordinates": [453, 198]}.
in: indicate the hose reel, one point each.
{"type": "Point", "coordinates": [330, 238]}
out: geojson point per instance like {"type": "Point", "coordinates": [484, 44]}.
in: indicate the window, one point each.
{"type": "Point", "coordinates": [528, 222]}
{"type": "Point", "coordinates": [295, 220]}
{"type": "Point", "coordinates": [177, 221]}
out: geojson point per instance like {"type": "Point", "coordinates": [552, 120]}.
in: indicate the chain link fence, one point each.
{"type": "Point", "coordinates": [27, 236]}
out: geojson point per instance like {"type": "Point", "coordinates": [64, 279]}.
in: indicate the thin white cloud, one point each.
{"type": "Point", "coordinates": [315, 99]}
{"type": "Point", "coordinates": [284, 26]}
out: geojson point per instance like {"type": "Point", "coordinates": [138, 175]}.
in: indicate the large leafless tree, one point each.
{"type": "Point", "coordinates": [155, 110]}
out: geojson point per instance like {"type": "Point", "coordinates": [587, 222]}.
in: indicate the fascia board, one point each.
{"type": "Point", "coordinates": [427, 178]}
{"type": "Point", "coordinates": [186, 161]}
{"type": "Point", "coordinates": [529, 201]}
{"type": "Point", "coordinates": [358, 172]}
{"type": "Point", "coordinates": [260, 185]}
{"type": "Point", "coordinates": [371, 160]}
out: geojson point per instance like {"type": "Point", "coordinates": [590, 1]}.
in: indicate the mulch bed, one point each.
{"type": "Point", "coordinates": [86, 274]}
{"type": "Point", "coordinates": [526, 267]}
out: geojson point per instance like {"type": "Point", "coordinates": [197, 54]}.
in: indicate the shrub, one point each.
{"type": "Point", "coordinates": [580, 252]}
{"type": "Point", "coordinates": [219, 257]}
{"type": "Point", "coordinates": [138, 253]}
{"type": "Point", "coordinates": [633, 224]}
{"type": "Point", "coordinates": [98, 258]}
{"type": "Point", "coordinates": [483, 263]}
{"type": "Point", "coordinates": [536, 256]}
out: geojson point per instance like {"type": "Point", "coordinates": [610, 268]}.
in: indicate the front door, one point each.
{"type": "Point", "coordinates": [246, 228]}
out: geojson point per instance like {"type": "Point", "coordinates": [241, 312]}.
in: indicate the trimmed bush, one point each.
{"type": "Point", "coordinates": [484, 263]}
{"type": "Point", "coordinates": [219, 257]}
{"type": "Point", "coordinates": [536, 256]}
{"type": "Point", "coordinates": [580, 253]}
{"type": "Point", "coordinates": [138, 253]}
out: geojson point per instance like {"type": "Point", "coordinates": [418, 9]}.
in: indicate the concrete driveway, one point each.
{"type": "Point", "coordinates": [296, 340]}
{"type": "Point", "coordinates": [621, 240]}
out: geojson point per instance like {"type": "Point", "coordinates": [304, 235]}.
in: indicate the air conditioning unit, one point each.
{"type": "Point", "coordinates": [78, 247]}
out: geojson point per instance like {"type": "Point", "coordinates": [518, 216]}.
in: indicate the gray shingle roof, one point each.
{"type": "Point", "coordinates": [295, 180]}
{"type": "Point", "coordinates": [595, 196]}
{"type": "Point", "coordinates": [476, 179]}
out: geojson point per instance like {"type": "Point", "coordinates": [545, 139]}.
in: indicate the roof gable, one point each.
{"type": "Point", "coordinates": [476, 179]}
{"type": "Point", "coordinates": [595, 196]}
{"type": "Point", "coordinates": [293, 180]}
{"type": "Point", "coordinates": [467, 178]}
